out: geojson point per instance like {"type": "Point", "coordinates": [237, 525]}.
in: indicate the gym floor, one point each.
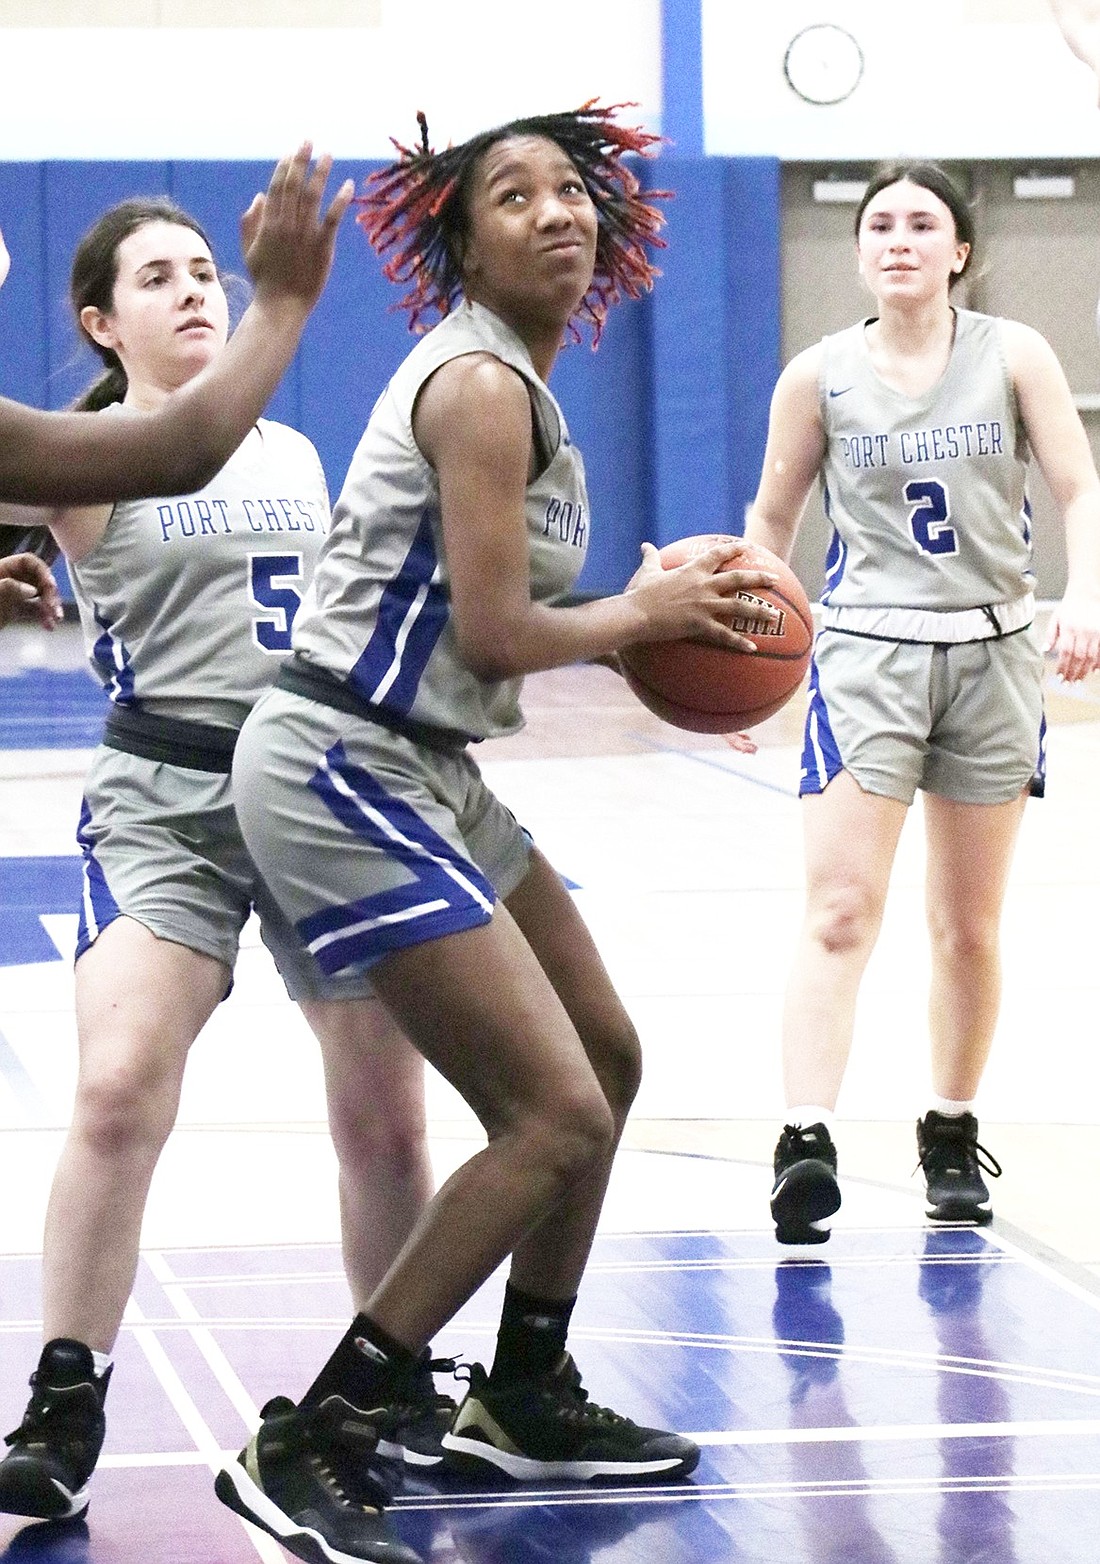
{"type": "Point", "coordinates": [909, 1394]}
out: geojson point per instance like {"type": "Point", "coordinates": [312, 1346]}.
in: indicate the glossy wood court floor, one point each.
{"type": "Point", "coordinates": [911, 1395]}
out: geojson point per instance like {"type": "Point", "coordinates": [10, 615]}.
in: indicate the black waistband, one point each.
{"type": "Point", "coordinates": [317, 684]}
{"type": "Point", "coordinates": [198, 746]}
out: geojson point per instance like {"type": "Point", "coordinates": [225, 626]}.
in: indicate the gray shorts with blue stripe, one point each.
{"type": "Point", "coordinates": [368, 841]}
{"type": "Point", "coordinates": [162, 845]}
{"type": "Point", "coordinates": [964, 721]}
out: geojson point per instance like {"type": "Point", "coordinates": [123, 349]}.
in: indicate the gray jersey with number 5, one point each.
{"type": "Point", "coordinates": [187, 603]}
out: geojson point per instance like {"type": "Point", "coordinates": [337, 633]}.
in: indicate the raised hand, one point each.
{"type": "Point", "coordinates": [288, 245]}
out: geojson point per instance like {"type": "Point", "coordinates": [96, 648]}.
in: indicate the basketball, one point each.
{"type": "Point", "coordinates": [716, 689]}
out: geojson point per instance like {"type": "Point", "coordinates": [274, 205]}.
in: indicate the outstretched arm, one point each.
{"type": "Point", "coordinates": [77, 458]}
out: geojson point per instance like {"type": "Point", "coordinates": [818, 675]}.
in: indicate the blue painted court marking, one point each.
{"type": "Point", "coordinates": [29, 889]}
{"type": "Point", "coordinates": [705, 758]}
{"type": "Point", "coordinates": [49, 708]}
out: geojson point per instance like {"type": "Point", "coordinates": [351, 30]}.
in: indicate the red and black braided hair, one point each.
{"type": "Point", "coordinates": [417, 208]}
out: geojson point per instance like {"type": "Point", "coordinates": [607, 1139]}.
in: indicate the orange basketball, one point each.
{"type": "Point", "coordinates": [714, 689]}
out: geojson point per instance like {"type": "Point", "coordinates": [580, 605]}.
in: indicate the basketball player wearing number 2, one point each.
{"type": "Point", "coordinates": [927, 672]}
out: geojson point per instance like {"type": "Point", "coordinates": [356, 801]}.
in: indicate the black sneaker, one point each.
{"type": "Point", "coordinates": [310, 1479]}
{"type": "Point", "coordinates": [55, 1448]}
{"type": "Point", "coordinates": [411, 1430]}
{"type": "Point", "coordinates": [953, 1163]}
{"type": "Point", "coordinates": [805, 1190]}
{"type": "Point", "coordinates": [547, 1427]}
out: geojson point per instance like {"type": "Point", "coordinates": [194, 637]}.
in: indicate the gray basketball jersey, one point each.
{"type": "Point", "coordinates": [378, 612]}
{"type": "Point", "coordinates": [926, 495]}
{"type": "Point", "coordinates": [187, 603]}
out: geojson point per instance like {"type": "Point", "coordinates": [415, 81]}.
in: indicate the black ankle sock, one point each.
{"type": "Point", "coordinates": [532, 1333]}
{"type": "Point", "coordinates": [367, 1362]}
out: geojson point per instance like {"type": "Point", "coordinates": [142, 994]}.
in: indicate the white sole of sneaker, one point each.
{"type": "Point", "coordinates": [524, 1469]}
{"type": "Point", "coordinates": [398, 1452]}
{"type": "Point", "coordinates": [239, 1493]}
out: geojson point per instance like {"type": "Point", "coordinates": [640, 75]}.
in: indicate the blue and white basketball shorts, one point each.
{"type": "Point", "coordinates": [369, 842]}
{"type": "Point", "coordinates": [963, 721]}
{"type": "Point", "coordinates": [162, 845]}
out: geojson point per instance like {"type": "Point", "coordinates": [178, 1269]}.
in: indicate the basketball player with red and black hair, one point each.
{"type": "Point", "coordinates": [462, 525]}
{"type": "Point", "coordinates": [417, 208]}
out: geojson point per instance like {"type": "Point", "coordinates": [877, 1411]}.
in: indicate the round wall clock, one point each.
{"type": "Point", "coordinates": [823, 63]}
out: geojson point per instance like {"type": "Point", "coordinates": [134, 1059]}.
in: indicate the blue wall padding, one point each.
{"type": "Point", "coordinates": [24, 341]}
{"type": "Point", "coordinates": [682, 76]}
{"type": "Point", "coordinates": [715, 352]}
{"type": "Point", "coordinates": [670, 414]}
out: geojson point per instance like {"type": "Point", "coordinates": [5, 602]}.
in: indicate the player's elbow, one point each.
{"type": "Point", "coordinates": [490, 653]}
{"type": "Point", "coordinates": [488, 662]}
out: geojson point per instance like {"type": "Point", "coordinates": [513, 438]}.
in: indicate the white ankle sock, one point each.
{"type": "Point", "coordinates": [102, 1362]}
{"type": "Point", "coordinates": [950, 1108]}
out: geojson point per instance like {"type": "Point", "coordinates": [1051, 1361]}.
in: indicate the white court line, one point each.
{"type": "Point", "coordinates": [871, 1487]}
{"type": "Point", "coordinates": [259, 1279]}
{"type": "Point", "coordinates": [834, 1263]}
{"type": "Point", "coordinates": [192, 1419]}
{"type": "Point", "coordinates": [882, 1357]}
{"type": "Point", "coordinates": [872, 1433]}
{"type": "Point", "coordinates": [616, 1267]}
{"type": "Point", "coordinates": [1036, 1263]}
{"type": "Point", "coordinates": [897, 1433]}
{"type": "Point", "coordinates": [199, 1331]}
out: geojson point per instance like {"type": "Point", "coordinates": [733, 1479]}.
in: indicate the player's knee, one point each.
{"type": "Point", "coordinates": [846, 921]}
{"type": "Point", "coordinates": [969, 942]}
{"type": "Point", "coordinates": [396, 1141]}
{"type": "Point", "coordinates": [574, 1135]}
{"type": "Point", "coordinates": [617, 1060]}
{"type": "Point", "coordinates": [119, 1115]}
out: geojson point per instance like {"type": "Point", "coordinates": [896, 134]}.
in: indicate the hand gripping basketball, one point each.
{"type": "Point", "coordinates": [715, 689]}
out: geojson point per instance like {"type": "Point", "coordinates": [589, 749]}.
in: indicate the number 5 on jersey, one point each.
{"type": "Point", "coordinates": [275, 583]}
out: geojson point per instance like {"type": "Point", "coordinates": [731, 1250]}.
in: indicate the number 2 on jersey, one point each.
{"type": "Point", "coordinates": [929, 517]}
{"type": "Point", "coordinates": [275, 583]}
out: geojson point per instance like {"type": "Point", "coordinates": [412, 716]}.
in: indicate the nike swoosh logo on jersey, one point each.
{"type": "Point", "coordinates": [842, 392]}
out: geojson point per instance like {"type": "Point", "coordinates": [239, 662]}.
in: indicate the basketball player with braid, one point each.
{"type": "Point", "coordinates": [920, 422]}
{"type": "Point", "coordinates": [68, 459]}
{"type": "Point", "coordinates": [463, 521]}
{"type": "Point", "coordinates": [187, 604]}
